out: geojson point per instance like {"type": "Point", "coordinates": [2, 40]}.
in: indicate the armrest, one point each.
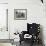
{"type": "Point", "coordinates": [24, 32]}
{"type": "Point", "coordinates": [22, 35]}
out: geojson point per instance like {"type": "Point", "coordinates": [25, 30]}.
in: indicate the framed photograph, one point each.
{"type": "Point", "coordinates": [20, 14]}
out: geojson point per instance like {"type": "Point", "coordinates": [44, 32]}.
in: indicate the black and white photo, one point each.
{"type": "Point", "coordinates": [20, 14]}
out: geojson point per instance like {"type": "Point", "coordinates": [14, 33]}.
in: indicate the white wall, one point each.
{"type": "Point", "coordinates": [3, 14]}
{"type": "Point", "coordinates": [3, 20]}
{"type": "Point", "coordinates": [35, 13]}
{"type": "Point", "coordinates": [3, 1]}
{"type": "Point", "coordinates": [3, 34]}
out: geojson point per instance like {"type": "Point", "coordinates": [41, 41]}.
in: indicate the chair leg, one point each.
{"type": "Point", "coordinates": [20, 42]}
{"type": "Point", "coordinates": [32, 42]}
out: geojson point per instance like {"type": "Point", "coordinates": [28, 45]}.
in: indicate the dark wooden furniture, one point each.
{"type": "Point", "coordinates": [32, 29]}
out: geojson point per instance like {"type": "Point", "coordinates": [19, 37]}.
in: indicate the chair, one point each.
{"type": "Point", "coordinates": [33, 30]}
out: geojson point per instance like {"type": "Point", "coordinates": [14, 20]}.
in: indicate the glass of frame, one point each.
{"type": "Point", "coordinates": [20, 14]}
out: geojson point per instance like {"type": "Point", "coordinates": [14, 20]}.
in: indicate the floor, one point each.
{"type": "Point", "coordinates": [6, 44]}
{"type": "Point", "coordinates": [27, 44]}
{"type": "Point", "coordinates": [23, 44]}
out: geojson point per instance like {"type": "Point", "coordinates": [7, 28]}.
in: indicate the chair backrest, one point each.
{"type": "Point", "coordinates": [33, 28]}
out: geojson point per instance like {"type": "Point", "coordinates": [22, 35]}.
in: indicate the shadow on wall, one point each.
{"type": "Point", "coordinates": [41, 34]}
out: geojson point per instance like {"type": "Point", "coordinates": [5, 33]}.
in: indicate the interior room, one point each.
{"type": "Point", "coordinates": [35, 14]}
{"type": "Point", "coordinates": [22, 22]}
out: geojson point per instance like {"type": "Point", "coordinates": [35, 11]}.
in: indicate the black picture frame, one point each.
{"type": "Point", "coordinates": [20, 14]}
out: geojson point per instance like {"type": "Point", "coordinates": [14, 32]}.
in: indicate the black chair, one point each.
{"type": "Point", "coordinates": [32, 29]}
